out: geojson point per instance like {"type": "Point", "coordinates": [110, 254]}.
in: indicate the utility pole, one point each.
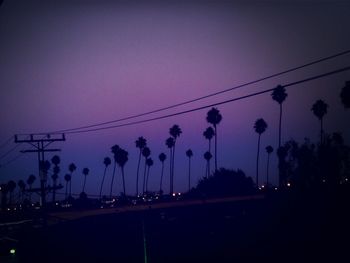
{"type": "Point", "coordinates": [40, 144]}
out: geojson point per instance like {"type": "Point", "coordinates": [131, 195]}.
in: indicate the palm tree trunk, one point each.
{"type": "Point", "coordinates": [137, 174]}
{"type": "Point", "coordinates": [206, 169]}
{"type": "Point", "coordinates": [189, 174]}
{"type": "Point", "coordinates": [54, 191]}
{"type": "Point", "coordinates": [257, 163]}
{"type": "Point", "coordinates": [123, 180]}
{"type": "Point", "coordinates": [267, 170]}
{"type": "Point", "coordinates": [70, 186]}
{"type": "Point", "coordinates": [161, 178]}
{"type": "Point", "coordinates": [171, 170]}
{"type": "Point", "coordinates": [103, 179]}
{"type": "Point", "coordinates": [279, 146]}
{"type": "Point", "coordinates": [144, 177]}
{"type": "Point", "coordinates": [147, 178]}
{"type": "Point", "coordinates": [66, 190]}
{"type": "Point", "coordinates": [280, 128]}
{"type": "Point", "coordinates": [173, 174]}
{"type": "Point", "coordinates": [216, 145]}
{"type": "Point", "coordinates": [321, 121]}
{"type": "Point", "coordinates": [84, 183]}
{"type": "Point", "coordinates": [110, 192]}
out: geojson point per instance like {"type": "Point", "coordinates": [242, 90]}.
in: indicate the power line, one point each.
{"type": "Point", "coordinates": [12, 160]}
{"type": "Point", "coordinates": [214, 104]}
{"type": "Point", "coordinates": [8, 152]}
{"type": "Point", "coordinates": [6, 142]}
{"type": "Point", "coordinates": [206, 96]}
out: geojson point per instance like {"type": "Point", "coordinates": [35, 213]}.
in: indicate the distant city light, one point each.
{"type": "Point", "coordinates": [179, 193]}
{"type": "Point", "coordinates": [12, 251]}
{"type": "Point", "coordinates": [174, 194]}
{"type": "Point", "coordinates": [288, 184]}
{"type": "Point", "coordinates": [323, 180]}
{"type": "Point", "coordinates": [346, 179]}
{"type": "Point", "coordinates": [276, 188]}
{"type": "Point", "coordinates": [263, 186]}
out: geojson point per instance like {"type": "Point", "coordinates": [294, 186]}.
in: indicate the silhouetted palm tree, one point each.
{"type": "Point", "coordinates": [189, 154]}
{"type": "Point", "coordinates": [85, 173]}
{"type": "Point", "coordinates": [114, 150]}
{"type": "Point", "coordinates": [11, 187]}
{"type": "Point", "coordinates": [207, 157]}
{"type": "Point", "coordinates": [214, 117]}
{"type": "Point", "coordinates": [67, 178]}
{"type": "Point", "coordinates": [122, 158]}
{"type": "Point", "coordinates": [56, 160]}
{"type": "Point", "coordinates": [345, 95]}
{"type": "Point", "coordinates": [31, 179]}
{"type": "Point", "coordinates": [320, 109]}
{"type": "Point", "coordinates": [149, 163]}
{"type": "Point", "coordinates": [170, 144]}
{"type": "Point", "coordinates": [209, 133]}
{"type": "Point", "coordinates": [44, 168]}
{"type": "Point", "coordinates": [146, 152]}
{"type": "Point", "coordinates": [107, 161]}
{"type": "Point", "coordinates": [269, 150]}
{"type": "Point", "coordinates": [279, 94]}
{"type": "Point", "coordinates": [259, 127]}
{"type": "Point", "coordinates": [175, 132]}
{"type": "Point", "coordinates": [22, 187]}
{"type": "Point", "coordinates": [72, 167]}
{"type": "Point", "coordinates": [162, 158]}
{"type": "Point", "coordinates": [56, 169]}
{"type": "Point", "coordinates": [140, 143]}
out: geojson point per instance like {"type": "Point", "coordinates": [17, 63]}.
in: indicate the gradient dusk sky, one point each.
{"type": "Point", "coordinates": [66, 64]}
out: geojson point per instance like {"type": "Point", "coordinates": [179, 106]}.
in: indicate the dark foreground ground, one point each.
{"type": "Point", "coordinates": [279, 228]}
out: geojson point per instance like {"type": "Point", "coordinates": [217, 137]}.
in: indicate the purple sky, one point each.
{"type": "Point", "coordinates": [71, 63]}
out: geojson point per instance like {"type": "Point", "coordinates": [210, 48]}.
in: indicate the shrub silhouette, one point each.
{"type": "Point", "coordinates": [225, 182]}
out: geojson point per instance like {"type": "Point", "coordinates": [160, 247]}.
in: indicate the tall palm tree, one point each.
{"type": "Point", "coordinates": [320, 109]}
{"type": "Point", "coordinates": [260, 127]}
{"type": "Point", "coordinates": [11, 187]}
{"type": "Point", "coordinates": [269, 150]}
{"type": "Point", "coordinates": [31, 179]}
{"type": "Point", "coordinates": [56, 169]}
{"type": "Point", "coordinates": [67, 178]}
{"type": "Point", "coordinates": [279, 95]}
{"type": "Point", "coordinates": [162, 158]}
{"type": "Point", "coordinates": [209, 133]}
{"type": "Point", "coordinates": [72, 167]}
{"type": "Point", "coordinates": [170, 144]}
{"type": "Point", "coordinates": [55, 160]}
{"type": "Point", "coordinates": [207, 157]}
{"type": "Point", "coordinates": [345, 95]}
{"type": "Point", "coordinates": [44, 167]}
{"type": "Point", "coordinates": [175, 132]}
{"type": "Point", "coordinates": [140, 143]}
{"type": "Point", "coordinates": [122, 158]}
{"type": "Point", "coordinates": [114, 149]}
{"type": "Point", "coordinates": [85, 173]}
{"type": "Point", "coordinates": [107, 161]}
{"type": "Point", "coordinates": [22, 187]}
{"type": "Point", "coordinates": [149, 163]}
{"type": "Point", "coordinates": [189, 154]}
{"type": "Point", "coordinates": [214, 117]}
{"type": "Point", "coordinates": [146, 152]}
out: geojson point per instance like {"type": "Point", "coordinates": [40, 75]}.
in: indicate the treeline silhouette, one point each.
{"type": "Point", "coordinates": [301, 165]}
